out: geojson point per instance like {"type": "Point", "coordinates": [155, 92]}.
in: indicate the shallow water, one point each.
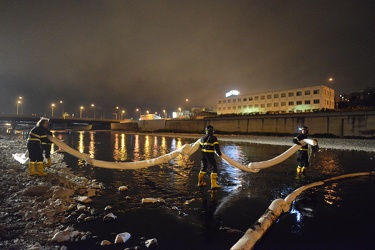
{"type": "Point", "coordinates": [335, 215]}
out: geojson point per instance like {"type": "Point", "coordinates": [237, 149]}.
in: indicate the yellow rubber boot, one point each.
{"type": "Point", "coordinates": [40, 167]}
{"type": "Point", "coordinates": [299, 170]}
{"type": "Point", "coordinates": [303, 170]}
{"type": "Point", "coordinates": [214, 181]}
{"type": "Point", "coordinates": [49, 162]}
{"type": "Point", "coordinates": [32, 168]}
{"type": "Point", "coordinates": [201, 182]}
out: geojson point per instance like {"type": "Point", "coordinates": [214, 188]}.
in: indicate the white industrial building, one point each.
{"type": "Point", "coordinates": [307, 99]}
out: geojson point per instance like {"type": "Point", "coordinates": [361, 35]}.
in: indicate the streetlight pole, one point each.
{"type": "Point", "coordinates": [53, 105]}
{"type": "Point", "coordinates": [164, 113]}
{"type": "Point", "coordinates": [140, 113]}
{"type": "Point", "coordinates": [62, 108]}
{"type": "Point", "coordinates": [18, 103]}
{"type": "Point", "coordinates": [118, 113]}
{"type": "Point", "coordinates": [80, 111]}
{"type": "Point", "coordinates": [92, 105]}
{"type": "Point", "coordinates": [122, 114]}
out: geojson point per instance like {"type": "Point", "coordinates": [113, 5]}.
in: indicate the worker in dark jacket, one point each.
{"type": "Point", "coordinates": [34, 146]}
{"type": "Point", "coordinates": [302, 153]}
{"type": "Point", "coordinates": [209, 145]}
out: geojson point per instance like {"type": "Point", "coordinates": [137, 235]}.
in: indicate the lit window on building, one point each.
{"type": "Point", "coordinates": [299, 93]}
{"type": "Point", "coordinates": [307, 101]}
{"type": "Point", "coordinates": [262, 97]}
{"type": "Point", "coordinates": [269, 96]}
{"type": "Point", "coordinates": [290, 94]}
{"type": "Point", "coordinates": [283, 94]}
{"type": "Point", "coordinates": [307, 92]}
{"type": "Point", "coordinates": [276, 96]}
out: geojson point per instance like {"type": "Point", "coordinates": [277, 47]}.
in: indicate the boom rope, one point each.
{"type": "Point", "coordinates": [187, 149]}
{"type": "Point", "coordinates": [277, 207]}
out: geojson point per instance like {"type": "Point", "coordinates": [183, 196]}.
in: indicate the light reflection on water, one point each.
{"type": "Point", "coordinates": [178, 177]}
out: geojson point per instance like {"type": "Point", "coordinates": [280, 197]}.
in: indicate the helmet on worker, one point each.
{"type": "Point", "coordinates": [305, 128]}
{"type": "Point", "coordinates": [209, 129]}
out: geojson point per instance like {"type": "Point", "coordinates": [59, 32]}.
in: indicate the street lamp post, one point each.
{"type": "Point", "coordinates": [62, 109]}
{"type": "Point", "coordinates": [164, 113]}
{"type": "Point", "coordinates": [18, 104]}
{"type": "Point", "coordinates": [80, 111]}
{"type": "Point", "coordinates": [140, 113]}
{"type": "Point", "coordinates": [52, 106]}
{"type": "Point", "coordinates": [92, 105]}
{"type": "Point", "coordinates": [118, 113]}
{"type": "Point", "coordinates": [122, 114]}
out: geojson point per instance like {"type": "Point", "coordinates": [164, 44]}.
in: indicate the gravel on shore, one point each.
{"type": "Point", "coordinates": [23, 228]}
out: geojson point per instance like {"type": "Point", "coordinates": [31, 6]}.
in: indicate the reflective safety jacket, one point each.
{"type": "Point", "coordinates": [298, 139]}
{"type": "Point", "coordinates": [39, 134]}
{"type": "Point", "coordinates": [209, 144]}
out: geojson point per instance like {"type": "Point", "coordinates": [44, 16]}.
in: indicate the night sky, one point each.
{"type": "Point", "coordinates": [154, 55]}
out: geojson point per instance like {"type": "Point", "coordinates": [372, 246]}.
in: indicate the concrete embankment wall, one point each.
{"type": "Point", "coordinates": [340, 124]}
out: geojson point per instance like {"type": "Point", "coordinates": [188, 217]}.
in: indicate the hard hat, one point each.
{"type": "Point", "coordinates": [209, 129]}
{"type": "Point", "coordinates": [304, 128]}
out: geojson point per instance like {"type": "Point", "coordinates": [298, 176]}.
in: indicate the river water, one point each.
{"type": "Point", "coordinates": [337, 215]}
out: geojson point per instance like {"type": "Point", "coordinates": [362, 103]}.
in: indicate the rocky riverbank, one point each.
{"type": "Point", "coordinates": [34, 210]}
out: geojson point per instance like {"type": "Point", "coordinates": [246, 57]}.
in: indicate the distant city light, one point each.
{"type": "Point", "coordinates": [232, 92]}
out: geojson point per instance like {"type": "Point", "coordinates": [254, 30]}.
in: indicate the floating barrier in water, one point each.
{"type": "Point", "coordinates": [277, 207]}
{"type": "Point", "coordinates": [187, 149]}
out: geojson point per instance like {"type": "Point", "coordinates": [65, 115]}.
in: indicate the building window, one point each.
{"type": "Point", "coordinates": [239, 107]}
{"type": "Point", "coordinates": [316, 91]}
{"type": "Point", "coordinates": [244, 106]}
{"type": "Point", "coordinates": [239, 100]}
{"type": "Point", "coordinates": [256, 105]}
{"type": "Point", "coordinates": [283, 94]}
{"type": "Point", "coordinates": [250, 106]}
{"type": "Point", "coordinates": [250, 98]}
{"type": "Point", "coordinates": [316, 101]}
{"type": "Point", "coordinates": [299, 93]}
{"type": "Point", "coordinates": [290, 94]}
{"type": "Point", "coordinates": [307, 92]}
{"type": "Point", "coordinates": [298, 102]}
{"type": "Point", "coordinates": [225, 101]}
{"type": "Point", "coordinates": [245, 99]}
{"type": "Point", "coordinates": [262, 97]}
{"type": "Point", "coordinates": [263, 105]}
{"type": "Point", "coordinates": [276, 104]}
{"type": "Point", "coordinates": [307, 101]}
{"type": "Point", "coordinates": [219, 102]}
{"type": "Point", "coordinates": [234, 100]}
{"type": "Point", "coordinates": [229, 108]}
{"type": "Point", "coordinates": [229, 101]}
{"type": "Point", "coordinates": [234, 107]}
{"type": "Point", "coordinates": [269, 105]}
{"type": "Point", "coordinates": [269, 96]}
{"type": "Point", "coordinates": [257, 98]}
{"type": "Point", "coordinates": [276, 96]}
{"type": "Point", "coordinates": [283, 103]}
{"type": "Point", "coordinates": [291, 103]}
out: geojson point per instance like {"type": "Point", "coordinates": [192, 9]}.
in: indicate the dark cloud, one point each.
{"type": "Point", "coordinates": [154, 54]}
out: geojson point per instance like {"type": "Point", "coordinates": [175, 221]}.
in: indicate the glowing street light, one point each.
{"type": "Point", "coordinates": [52, 106]}
{"type": "Point", "coordinates": [18, 104]}
{"type": "Point", "coordinates": [118, 114]}
{"type": "Point", "coordinates": [164, 112]}
{"type": "Point", "coordinates": [62, 108]}
{"type": "Point", "coordinates": [122, 114]}
{"type": "Point", "coordinates": [140, 113]}
{"type": "Point", "coordinates": [80, 111]}
{"type": "Point", "coordinates": [92, 105]}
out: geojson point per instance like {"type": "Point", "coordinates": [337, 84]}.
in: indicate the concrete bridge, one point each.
{"type": "Point", "coordinates": [56, 123]}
